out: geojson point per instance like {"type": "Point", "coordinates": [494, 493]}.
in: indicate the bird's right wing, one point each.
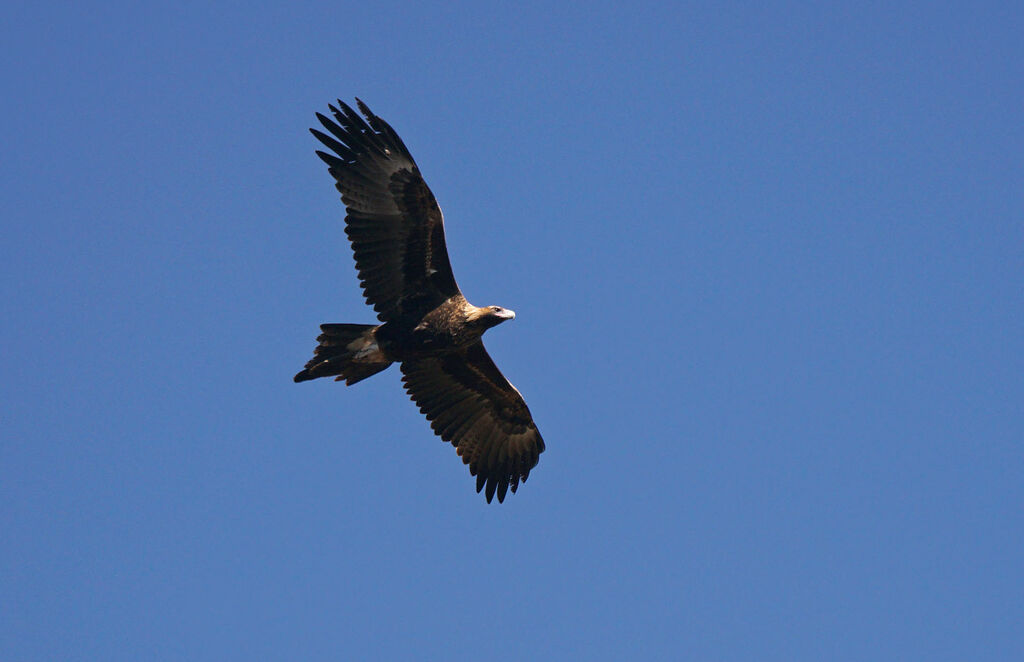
{"type": "Point", "coordinates": [394, 223]}
{"type": "Point", "coordinates": [470, 403]}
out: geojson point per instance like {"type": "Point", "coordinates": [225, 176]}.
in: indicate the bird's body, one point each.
{"type": "Point", "coordinates": [397, 234]}
{"type": "Point", "coordinates": [451, 326]}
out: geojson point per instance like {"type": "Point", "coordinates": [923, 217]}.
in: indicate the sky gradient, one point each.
{"type": "Point", "coordinates": [768, 270]}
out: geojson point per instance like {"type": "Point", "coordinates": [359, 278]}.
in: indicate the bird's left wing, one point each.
{"type": "Point", "coordinates": [471, 404]}
{"type": "Point", "coordinates": [394, 223]}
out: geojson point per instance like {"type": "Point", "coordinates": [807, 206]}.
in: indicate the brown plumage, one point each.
{"type": "Point", "coordinates": [397, 234]}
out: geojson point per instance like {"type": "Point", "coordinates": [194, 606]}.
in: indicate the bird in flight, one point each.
{"type": "Point", "coordinates": [427, 326]}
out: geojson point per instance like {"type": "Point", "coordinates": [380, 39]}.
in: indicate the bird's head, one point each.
{"type": "Point", "coordinates": [489, 316]}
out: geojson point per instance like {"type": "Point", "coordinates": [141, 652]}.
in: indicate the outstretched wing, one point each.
{"type": "Point", "coordinates": [393, 221]}
{"type": "Point", "coordinates": [470, 403]}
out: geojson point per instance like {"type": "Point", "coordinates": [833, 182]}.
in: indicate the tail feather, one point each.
{"type": "Point", "coordinates": [347, 352]}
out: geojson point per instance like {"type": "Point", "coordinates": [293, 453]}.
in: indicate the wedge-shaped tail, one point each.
{"type": "Point", "coordinates": [346, 352]}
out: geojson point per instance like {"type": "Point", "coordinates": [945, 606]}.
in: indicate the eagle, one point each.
{"type": "Point", "coordinates": [426, 325]}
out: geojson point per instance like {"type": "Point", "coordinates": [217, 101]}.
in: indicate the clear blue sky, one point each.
{"type": "Point", "coordinates": [768, 265]}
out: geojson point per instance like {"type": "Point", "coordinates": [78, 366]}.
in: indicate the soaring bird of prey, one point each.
{"type": "Point", "coordinates": [427, 326]}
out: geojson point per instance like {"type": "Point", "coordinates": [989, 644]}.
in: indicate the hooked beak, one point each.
{"type": "Point", "coordinates": [507, 314]}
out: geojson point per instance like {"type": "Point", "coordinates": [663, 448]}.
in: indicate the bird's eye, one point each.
{"type": "Point", "coordinates": [496, 309]}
